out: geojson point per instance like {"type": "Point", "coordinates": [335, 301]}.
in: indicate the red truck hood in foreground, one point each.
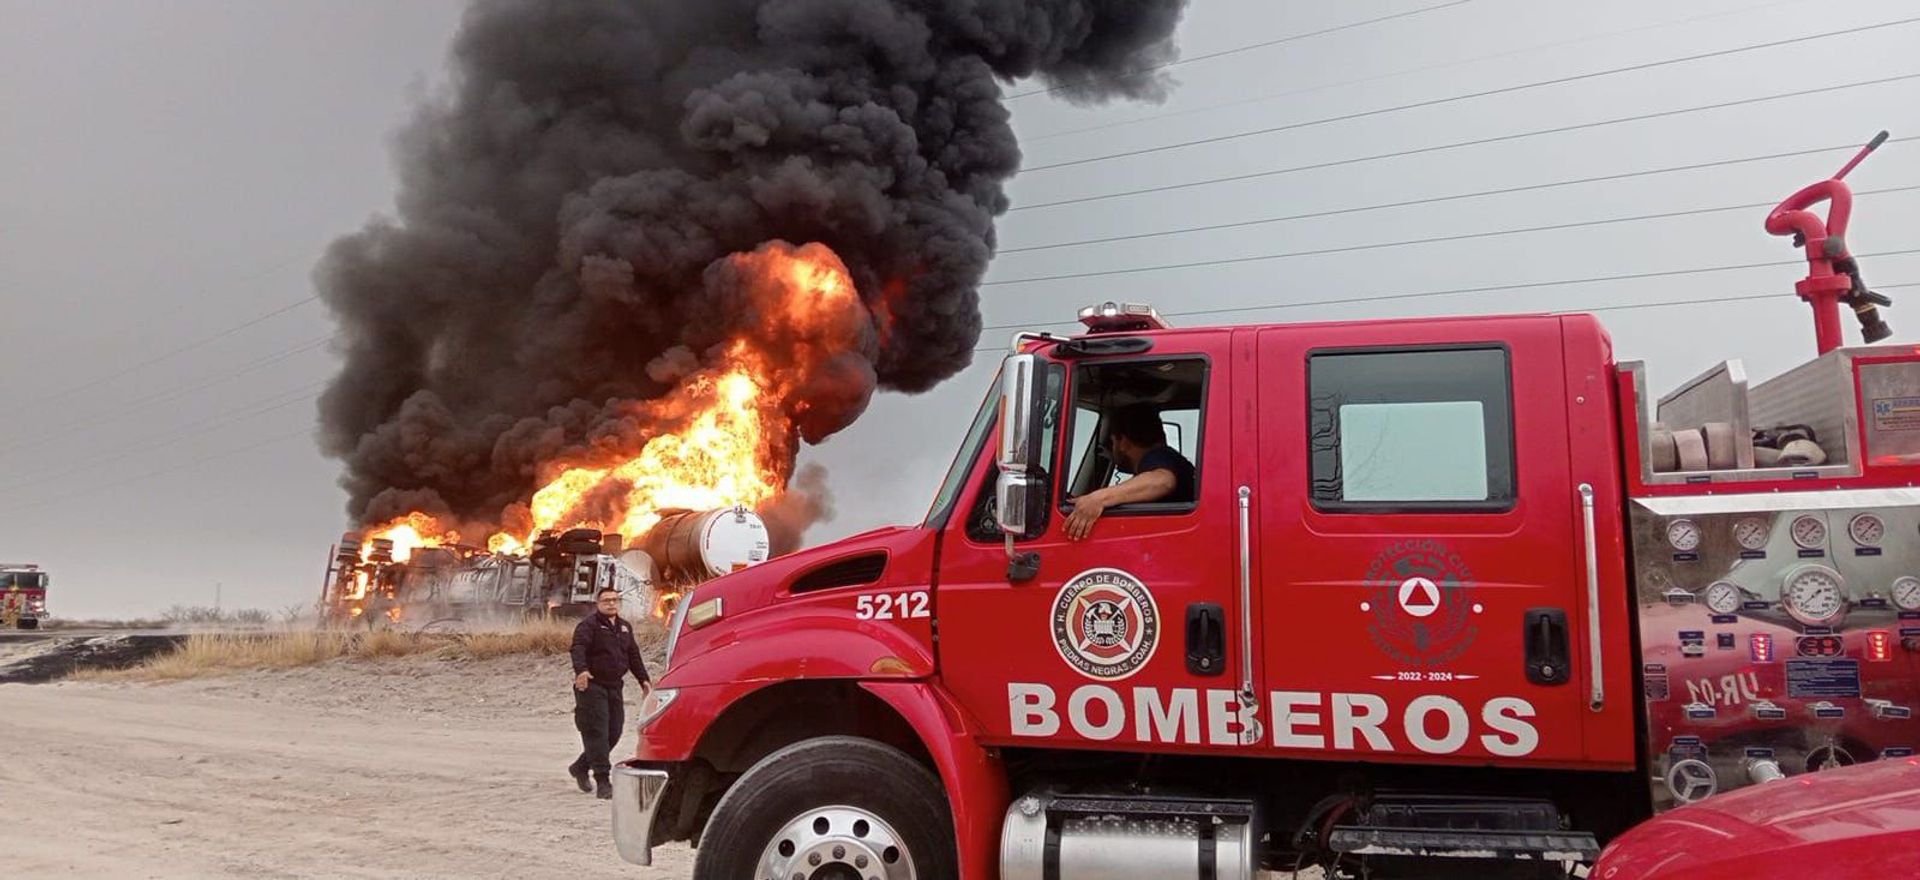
{"type": "Point", "coordinates": [1854, 822]}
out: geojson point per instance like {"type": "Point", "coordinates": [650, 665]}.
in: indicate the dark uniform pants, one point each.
{"type": "Point", "coordinates": [599, 713]}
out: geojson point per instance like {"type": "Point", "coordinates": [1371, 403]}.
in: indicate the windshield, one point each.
{"type": "Point", "coordinates": [969, 450]}
{"type": "Point", "coordinates": [23, 580]}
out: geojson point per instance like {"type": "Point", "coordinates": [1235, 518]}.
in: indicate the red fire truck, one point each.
{"type": "Point", "coordinates": [1451, 596]}
{"type": "Point", "coordinates": [23, 595]}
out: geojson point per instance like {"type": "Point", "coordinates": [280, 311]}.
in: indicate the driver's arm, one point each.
{"type": "Point", "coordinates": [1151, 485]}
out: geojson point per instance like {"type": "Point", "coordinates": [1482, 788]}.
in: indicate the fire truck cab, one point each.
{"type": "Point", "coordinates": [1450, 596]}
{"type": "Point", "coordinates": [23, 595]}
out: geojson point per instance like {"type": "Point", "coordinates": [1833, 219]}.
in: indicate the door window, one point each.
{"type": "Point", "coordinates": [1160, 398]}
{"type": "Point", "coordinates": [1413, 430]}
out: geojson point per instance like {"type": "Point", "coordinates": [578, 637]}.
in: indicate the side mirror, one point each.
{"type": "Point", "coordinates": [1020, 402]}
{"type": "Point", "coordinates": [1020, 505]}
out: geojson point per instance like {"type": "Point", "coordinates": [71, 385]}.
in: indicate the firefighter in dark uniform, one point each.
{"type": "Point", "coordinates": [604, 651]}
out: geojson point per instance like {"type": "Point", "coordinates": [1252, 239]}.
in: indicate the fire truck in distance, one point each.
{"type": "Point", "coordinates": [1453, 597]}
{"type": "Point", "coordinates": [23, 595]}
{"type": "Point", "coordinates": [367, 579]}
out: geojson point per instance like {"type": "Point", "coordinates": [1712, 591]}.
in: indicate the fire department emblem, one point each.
{"type": "Point", "coordinates": [1105, 624]}
{"type": "Point", "coordinates": [1421, 603]}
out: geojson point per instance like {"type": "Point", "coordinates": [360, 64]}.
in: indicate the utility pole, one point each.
{"type": "Point", "coordinates": [216, 597]}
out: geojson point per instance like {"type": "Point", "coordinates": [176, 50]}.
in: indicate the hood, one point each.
{"type": "Point", "coordinates": [1806, 825]}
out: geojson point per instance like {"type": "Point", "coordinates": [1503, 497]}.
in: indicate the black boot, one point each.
{"type": "Point", "coordinates": [579, 775]}
{"type": "Point", "coordinates": [603, 789]}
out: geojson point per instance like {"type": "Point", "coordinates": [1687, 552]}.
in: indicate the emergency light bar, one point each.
{"type": "Point", "coordinates": [1112, 317]}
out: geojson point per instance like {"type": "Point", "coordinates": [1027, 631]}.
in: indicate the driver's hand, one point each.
{"type": "Point", "coordinates": [1086, 510]}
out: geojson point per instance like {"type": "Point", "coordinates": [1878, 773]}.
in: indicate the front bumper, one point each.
{"type": "Point", "coordinates": [637, 793]}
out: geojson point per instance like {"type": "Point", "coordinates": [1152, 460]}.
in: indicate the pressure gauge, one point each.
{"type": "Point", "coordinates": [1724, 598]}
{"type": "Point", "coordinates": [1815, 595]}
{"type": "Point", "coordinates": [1751, 533]}
{"type": "Point", "coordinates": [1867, 530]}
{"type": "Point", "coordinates": [1809, 532]}
{"type": "Point", "coordinates": [1906, 593]}
{"type": "Point", "coordinates": [1683, 535]}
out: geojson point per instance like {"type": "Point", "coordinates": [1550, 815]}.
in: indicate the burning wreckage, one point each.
{"type": "Point", "coordinates": [693, 477]}
{"type": "Point", "coordinates": [397, 573]}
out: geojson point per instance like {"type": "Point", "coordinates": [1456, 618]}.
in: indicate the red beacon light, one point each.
{"type": "Point", "coordinates": [1112, 317]}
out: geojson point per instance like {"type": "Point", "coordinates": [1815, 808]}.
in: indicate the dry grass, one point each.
{"type": "Point", "coordinates": [209, 654]}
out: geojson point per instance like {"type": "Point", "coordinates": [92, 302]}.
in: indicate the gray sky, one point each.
{"type": "Point", "coordinates": [168, 171]}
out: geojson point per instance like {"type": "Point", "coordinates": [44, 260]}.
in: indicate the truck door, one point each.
{"type": "Point", "coordinates": [1127, 636]}
{"type": "Point", "coordinates": [1419, 554]}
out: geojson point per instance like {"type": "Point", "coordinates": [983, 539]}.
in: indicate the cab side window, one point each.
{"type": "Point", "coordinates": [1160, 397]}
{"type": "Point", "coordinates": [1424, 429]}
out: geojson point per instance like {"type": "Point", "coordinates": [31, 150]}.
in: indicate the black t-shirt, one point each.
{"type": "Point", "coordinates": [1168, 459]}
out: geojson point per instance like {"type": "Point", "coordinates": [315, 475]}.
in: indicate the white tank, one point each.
{"type": "Point", "coordinates": [710, 544]}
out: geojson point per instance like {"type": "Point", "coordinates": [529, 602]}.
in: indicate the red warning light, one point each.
{"type": "Point", "coordinates": [1879, 646]}
{"type": "Point", "coordinates": [1760, 647]}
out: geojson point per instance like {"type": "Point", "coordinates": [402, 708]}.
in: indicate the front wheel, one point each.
{"type": "Point", "coordinates": [834, 808]}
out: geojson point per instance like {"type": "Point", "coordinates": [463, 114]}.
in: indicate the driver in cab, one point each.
{"type": "Point", "coordinates": [1137, 442]}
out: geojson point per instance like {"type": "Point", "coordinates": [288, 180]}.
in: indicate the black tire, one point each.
{"type": "Point", "coordinates": [29, 623]}
{"type": "Point", "coordinates": [829, 771]}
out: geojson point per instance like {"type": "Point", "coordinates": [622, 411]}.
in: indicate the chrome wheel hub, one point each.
{"type": "Point", "coordinates": [836, 843]}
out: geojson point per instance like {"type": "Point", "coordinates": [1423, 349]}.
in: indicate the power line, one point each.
{"type": "Point", "coordinates": [1489, 288]}
{"type": "Point", "coordinates": [1698, 166]}
{"type": "Point", "coordinates": [69, 496]}
{"type": "Point", "coordinates": [1438, 239]}
{"type": "Point", "coordinates": [242, 413]}
{"type": "Point", "coordinates": [1262, 45]}
{"type": "Point", "coordinates": [118, 413]}
{"type": "Point", "coordinates": [1717, 299]}
{"type": "Point", "coordinates": [1261, 99]}
{"type": "Point", "coordinates": [1504, 90]}
{"type": "Point", "coordinates": [1477, 142]}
{"type": "Point", "coordinates": [172, 353]}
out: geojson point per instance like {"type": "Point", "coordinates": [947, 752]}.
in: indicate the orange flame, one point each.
{"type": "Point", "coordinates": [409, 533]}
{"type": "Point", "coordinates": [735, 428]}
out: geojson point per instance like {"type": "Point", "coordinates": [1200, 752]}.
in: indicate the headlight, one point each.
{"type": "Point", "coordinates": [656, 702]}
{"type": "Point", "coordinates": [675, 625]}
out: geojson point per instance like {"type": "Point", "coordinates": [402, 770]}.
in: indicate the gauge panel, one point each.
{"type": "Point", "coordinates": [1815, 595]}
{"type": "Point", "coordinates": [1809, 532]}
{"type": "Point", "coordinates": [1723, 597]}
{"type": "Point", "coordinates": [1866, 530]}
{"type": "Point", "coordinates": [1906, 593]}
{"type": "Point", "coordinates": [1751, 533]}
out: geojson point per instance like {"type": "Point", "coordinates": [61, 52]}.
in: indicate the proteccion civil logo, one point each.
{"type": "Point", "coordinates": [1105, 624]}
{"type": "Point", "coordinates": [1421, 603]}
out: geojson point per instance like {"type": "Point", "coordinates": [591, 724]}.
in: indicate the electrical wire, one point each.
{"type": "Point", "coordinates": [1453, 291]}
{"type": "Point", "coordinates": [1437, 239]}
{"type": "Point", "coordinates": [1484, 93]}
{"type": "Point", "coordinates": [208, 380]}
{"type": "Point", "coordinates": [171, 353]}
{"type": "Point", "coordinates": [1261, 45]}
{"type": "Point", "coordinates": [1476, 142]}
{"type": "Point", "coordinates": [1535, 187]}
{"type": "Point", "coordinates": [83, 493]}
{"type": "Point", "coordinates": [254, 409]}
{"type": "Point", "coordinates": [1275, 96]}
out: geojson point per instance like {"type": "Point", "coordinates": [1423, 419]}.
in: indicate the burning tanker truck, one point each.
{"type": "Point", "coordinates": [398, 573]}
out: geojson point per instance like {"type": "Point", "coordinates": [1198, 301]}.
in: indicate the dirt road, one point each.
{"type": "Point", "coordinates": [395, 769]}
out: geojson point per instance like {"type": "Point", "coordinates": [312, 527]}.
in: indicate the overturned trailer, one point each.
{"type": "Point", "coordinates": [370, 579]}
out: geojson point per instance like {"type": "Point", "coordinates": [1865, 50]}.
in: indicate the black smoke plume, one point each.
{"type": "Point", "coordinates": [567, 207]}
